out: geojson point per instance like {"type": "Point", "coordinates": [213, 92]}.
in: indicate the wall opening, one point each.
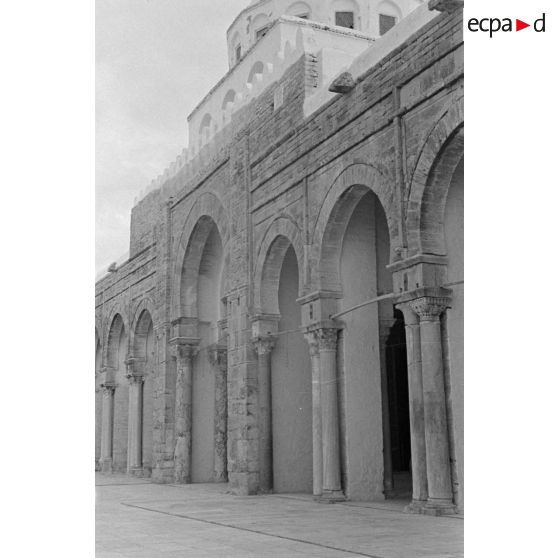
{"type": "Point", "coordinates": [345, 13]}
{"type": "Point", "coordinates": [98, 399]}
{"type": "Point", "coordinates": [363, 257]}
{"type": "Point", "coordinates": [118, 349]}
{"type": "Point", "coordinates": [386, 22]}
{"type": "Point", "coordinates": [256, 72]}
{"type": "Point", "coordinates": [203, 389]}
{"type": "Point", "coordinates": [345, 19]}
{"type": "Point", "coordinates": [144, 349]}
{"type": "Point", "coordinates": [291, 390]}
{"type": "Point", "coordinates": [388, 16]}
{"type": "Point", "coordinates": [299, 9]}
{"type": "Point", "coordinates": [453, 325]}
{"type": "Point", "coordinates": [398, 407]}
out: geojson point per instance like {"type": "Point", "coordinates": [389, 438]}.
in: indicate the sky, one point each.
{"type": "Point", "coordinates": [155, 61]}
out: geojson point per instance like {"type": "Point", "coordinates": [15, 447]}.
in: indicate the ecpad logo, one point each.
{"type": "Point", "coordinates": [493, 25]}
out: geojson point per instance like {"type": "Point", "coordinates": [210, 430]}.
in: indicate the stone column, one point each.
{"type": "Point", "coordinates": [184, 353]}
{"type": "Point", "coordinates": [218, 359]}
{"type": "Point", "coordinates": [107, 426]}
{"type": "Point", "coordinates": [416, 409]}
{"type": "Point", "coordinates": [263, 346]}
{"type": "Point", "coordinates": [440, 496]}
{"type": "Point", "coordinates": [331, 480]}
{"type": "Point", "coordinates": [317, 457]}
{"type": "Point", "coordinates": [135, 417]}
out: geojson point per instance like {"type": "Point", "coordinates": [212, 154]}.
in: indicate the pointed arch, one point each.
{"type": "Point", "coordinates": [441, 153]}
{"type": "Point", "coordinates": [343, 196]}
{"type": "Point", "coordinates": [207, 211]}
{"type": "Point", "coordinates": [280, 235]}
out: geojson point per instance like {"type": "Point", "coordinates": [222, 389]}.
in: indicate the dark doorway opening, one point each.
{"type": "Point", "coordinates": [398, 404]}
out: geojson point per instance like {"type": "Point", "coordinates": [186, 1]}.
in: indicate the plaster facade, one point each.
{"type": "Point", "coordinates": [298, 278]}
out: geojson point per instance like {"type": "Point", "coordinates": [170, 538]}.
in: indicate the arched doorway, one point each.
{"type": "Point", "coordinates": [200, 308]}
{"type": "Point", "coordinates": [291, 387]}
{"type": "Point", "coordinates": [98, 400]}
{"type": "Point", "coordinates": [144, 352]}
{"type": "Point", "coordinates": [116, 360]}
{"type": "Point", "coordinates": [209, 311]}
{"type": "Point", "coordinates": [453, 325]}
{"type": "Point", "coordinates": [354, 256]}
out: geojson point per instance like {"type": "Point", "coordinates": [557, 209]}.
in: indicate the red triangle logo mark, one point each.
{"type": "Point", "coordinates": [519, 25]}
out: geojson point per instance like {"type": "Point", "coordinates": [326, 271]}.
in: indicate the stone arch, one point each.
{"type": "Point", "coordinates": [117, 353]}
{"type": "Point", "coordinates": [229, 98]}
{"type": "Point", "coordinates": [236, 43]}
{"type": "Point", "coordinates": [259, 22]}
{"type": "Point", "coordinates": [256, 70]}
{"type": "Point", "coordinates": [438, 159]}
{"type": "Point", "coordinates": [299, 9]}
{"type": "Point", "coordinates": [342, 198]}
{"type": "Point", "coordinates": [145, 305]}
{"type": "Point", "coordinates": [116, 309]}
{"type": "Point", "coordinates": [206, 211]}
{"type": "Point", "coordinates": [205, 129]}
{"type": "Point", "coordinates": [143, 351]}
{"type": "Point", "coordinates": [117, 328]}
{"type": "Point", "coordinates": [390, 8]}
{"type": "Point", "coordinates": [280, 235]}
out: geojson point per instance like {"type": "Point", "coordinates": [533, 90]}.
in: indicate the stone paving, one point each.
{"type": "Point", "coordinates": [137, 519]}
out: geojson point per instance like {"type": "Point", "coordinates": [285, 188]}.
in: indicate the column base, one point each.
{"type": "Point", "coordinates": [163, 474]}
{"type": "Point", "coordinates": [136, 471]}
{"type": "Point", "coordinates": [330, 497]}
{"type": "Point", "coordinates": [220, 477]}
{"type": "Point", "coordinates": [244, 484]}
{"type": "Point", "coordinates": [106, 465]}
{"type": "Point", "coordinates": [416, 506]}
{"type": "Point", "coordinates": [439, 507]}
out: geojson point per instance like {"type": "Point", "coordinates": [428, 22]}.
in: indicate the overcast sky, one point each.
{"type": "Point", "coordinates": [155, 60]}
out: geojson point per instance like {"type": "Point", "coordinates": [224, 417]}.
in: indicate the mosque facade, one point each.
{"type": "Point", "coordinates": [289, 318]}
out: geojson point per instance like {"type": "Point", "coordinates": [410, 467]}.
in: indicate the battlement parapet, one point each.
{"type": "Point", "coordinates": [265, 63]}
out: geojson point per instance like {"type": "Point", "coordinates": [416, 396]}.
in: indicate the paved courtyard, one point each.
{"type": "Point", "coordinates": [135, 518]}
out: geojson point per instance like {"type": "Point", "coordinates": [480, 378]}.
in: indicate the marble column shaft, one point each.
{"type": "Point", "coordinates": [185, 354]}
{"type": "Point", "coordinates": [107, 425]}
{"type": "Point", "coordinates": [331, 481]}
{"type": "Point", "coordinates": [263, 347]}
{"type": "Point", "coordinates": [218, 359]}
{"type": "Point", "coordinates": [416, 407]}
{"type": "Point", "coordinates": [135, 420]}
{"type": "Point", "coordinates": [317, 455]}
{"type": "Point", "coordinates": [435, 419]}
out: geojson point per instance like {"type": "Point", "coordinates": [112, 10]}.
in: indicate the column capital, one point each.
{"type": "Point", "coordinates": [218, 356]}
{"type": "Point", "coordinates": [135, 378]}
{"type": "Point", "coordinates": [326, 334]}
{"type": "Point", "coordinates": [108, 388]}
{"type": "Point", "coordinates": [409, 315]}
{"type": "Point", "coordinates": [264, 344]}
{"type": "Point", "coordinates": [429, 308]}
{"type": "Point", "coordinates": [184, 347]}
